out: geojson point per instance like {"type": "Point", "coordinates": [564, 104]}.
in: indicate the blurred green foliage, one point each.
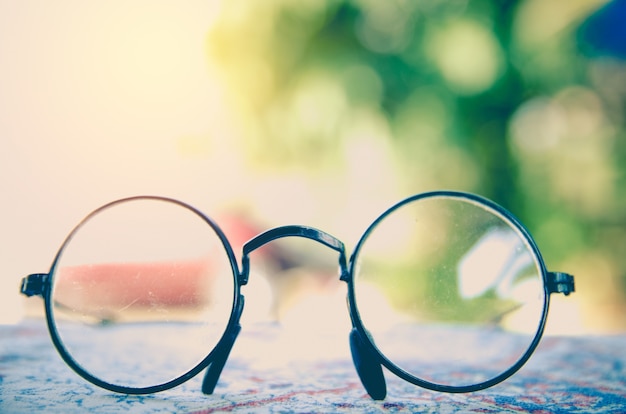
{"type": "Point", "coordinates": [494, 97]}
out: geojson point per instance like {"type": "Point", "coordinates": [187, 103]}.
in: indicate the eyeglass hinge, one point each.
{"type": "Point", "coordinates": [34, 284]}
{"type": "Point", "coordinates": [559, 282]}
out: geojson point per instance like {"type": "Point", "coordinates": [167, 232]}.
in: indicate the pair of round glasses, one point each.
{"type": "Point", "coordinates": [447, 290]}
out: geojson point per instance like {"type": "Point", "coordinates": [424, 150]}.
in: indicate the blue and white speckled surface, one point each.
{"type": "Point", "coordinates": [566, 374]}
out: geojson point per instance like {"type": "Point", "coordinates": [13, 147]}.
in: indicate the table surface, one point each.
{"type": "Point", "coordinates": [566, 374]}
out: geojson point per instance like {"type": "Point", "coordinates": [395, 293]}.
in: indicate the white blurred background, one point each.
{"type": "Point", "coordinates": [102, 100]}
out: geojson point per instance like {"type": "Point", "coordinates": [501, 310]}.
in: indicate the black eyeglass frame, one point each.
{"type": "Point", "coordinates": [367, 358]}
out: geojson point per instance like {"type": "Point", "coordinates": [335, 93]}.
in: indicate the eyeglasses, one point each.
{"type": "Point", "coordinates": [446, 290]}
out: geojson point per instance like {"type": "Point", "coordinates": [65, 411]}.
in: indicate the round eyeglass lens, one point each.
{"type": "Point", "coordinates": [142, 292]}
{"type": "Point", "coordinates": [450, 289]}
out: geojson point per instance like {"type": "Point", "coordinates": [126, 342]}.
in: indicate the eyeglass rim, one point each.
{"type": "Point", "coordinates": [233, 320]}
{"type": "Point", "coordinates": [396, 369]}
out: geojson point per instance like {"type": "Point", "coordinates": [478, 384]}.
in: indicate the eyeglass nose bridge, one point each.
{"type": "Point", "coordinates": [293, 231]}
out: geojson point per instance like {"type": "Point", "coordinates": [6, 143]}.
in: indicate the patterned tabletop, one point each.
{"type": "Point", "coordinates": [269, 372]}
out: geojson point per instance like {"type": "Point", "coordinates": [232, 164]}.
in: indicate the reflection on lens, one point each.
{"type": "Point", "coordinates": [450, 290]}
{"type": "Point", "coordinates": [142, 292]}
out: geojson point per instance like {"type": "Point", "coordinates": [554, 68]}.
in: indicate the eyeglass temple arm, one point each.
{"type": "Point", "coordinates": [368, 366]}
{"type": "Point", "coordinates": [213, 372]}
{"type": "Point", "coordinates": [292, 231]}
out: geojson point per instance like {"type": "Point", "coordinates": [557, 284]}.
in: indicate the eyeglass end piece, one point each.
{"type": "Point", "coordinates": [559, 282]}
{"type": "Point", "coordinates": [245, 270]}
{"type": "Point", "coordinates": [34, 284]}
{"type": "Point", "coordinates": [344, 274]}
